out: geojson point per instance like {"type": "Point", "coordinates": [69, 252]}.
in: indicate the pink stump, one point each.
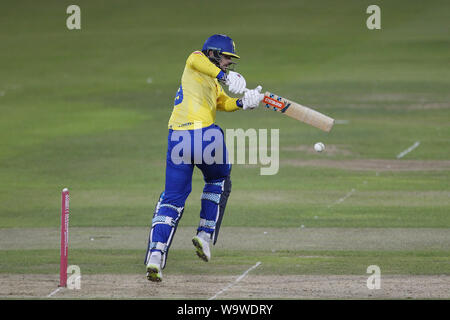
{"type": "Point", "coordinates": [64, 237]}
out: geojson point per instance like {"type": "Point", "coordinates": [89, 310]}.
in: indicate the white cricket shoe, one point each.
{"type": "Point", "coordinates": [154, 272]}
{"type": "Point", "coordinates": [201, 243]}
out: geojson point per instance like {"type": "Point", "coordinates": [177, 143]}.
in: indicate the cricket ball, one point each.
{"type": "Point", "coordinates": [319, 147]}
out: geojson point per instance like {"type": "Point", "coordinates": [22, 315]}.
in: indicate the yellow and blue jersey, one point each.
{"type": "Point", "coordinates": [199, 95]}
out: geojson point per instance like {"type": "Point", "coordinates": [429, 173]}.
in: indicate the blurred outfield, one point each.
{"type": "Point", "coordinates": [88, 110]}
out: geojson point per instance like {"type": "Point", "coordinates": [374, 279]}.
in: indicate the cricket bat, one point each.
{"type": "Point", "coordinates": [298, 112]}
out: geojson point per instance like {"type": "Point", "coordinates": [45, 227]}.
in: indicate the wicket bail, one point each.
{"type": "Point", "coordinates": [64, 237]}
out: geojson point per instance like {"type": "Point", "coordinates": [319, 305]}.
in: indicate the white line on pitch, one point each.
{"type": "Point", "coordinates": [343, 198]}
{"type": "Point", "coordinates": [342, 121]}
{"type": "Point", "coordinates": [235, 281]}
{"type": "Point", "coordinates": [346, 196]}
{"type": "Point", "coordinates": [55, 292]}
{"type": "Point", "coordinates": [403, 153]}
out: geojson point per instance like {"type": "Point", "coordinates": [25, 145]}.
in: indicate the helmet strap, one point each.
{"type": "Point", "coordinates": [215, 58]}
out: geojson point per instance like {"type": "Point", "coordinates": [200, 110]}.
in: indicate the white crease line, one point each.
{"type": "Point", "coordinates": [235, 281]}
{"type": "Point", "coordinates": [54, 292]}
{"type": "Point", "coordinates": [346, 196]}
{"type": "Point", "coordinates": [403, 153]}
{"type": "Point", "coordinates": [342, 121]}
{"type": "Point", "coordinates": [343, 198]}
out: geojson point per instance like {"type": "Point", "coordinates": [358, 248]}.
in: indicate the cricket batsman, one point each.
{"type": "Point", "coordinates": [198, 98]}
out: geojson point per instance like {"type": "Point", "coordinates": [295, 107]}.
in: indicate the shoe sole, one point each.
{"type": "Point", "coordinates": [154, 274]}
{"type": "Point", "coordinates": [199, 249]}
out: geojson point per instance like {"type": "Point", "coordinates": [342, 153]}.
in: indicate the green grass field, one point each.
{"type": "Point", "coordinates": [88, 109]}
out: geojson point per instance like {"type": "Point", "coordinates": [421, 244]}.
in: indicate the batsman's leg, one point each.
{"type": "Point", "coordinates": [164, 225]}
{"type": "Point", "coordinates": [168, 213]}
{"type": "Point", "coordinates": [213, 202]}
{"type": "Point", "coordinates": [154, 272]}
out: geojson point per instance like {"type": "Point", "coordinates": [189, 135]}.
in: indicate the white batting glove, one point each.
{"type": "Point", "coordinates": [252, 98]}
{"type": "Point", "coordinates": [235, 82]}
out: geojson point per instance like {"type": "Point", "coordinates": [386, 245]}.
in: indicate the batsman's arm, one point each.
{"type": "Point", "coordinates": [198, 61]}
{"type": "Point", "coordinates": [226, 103]}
